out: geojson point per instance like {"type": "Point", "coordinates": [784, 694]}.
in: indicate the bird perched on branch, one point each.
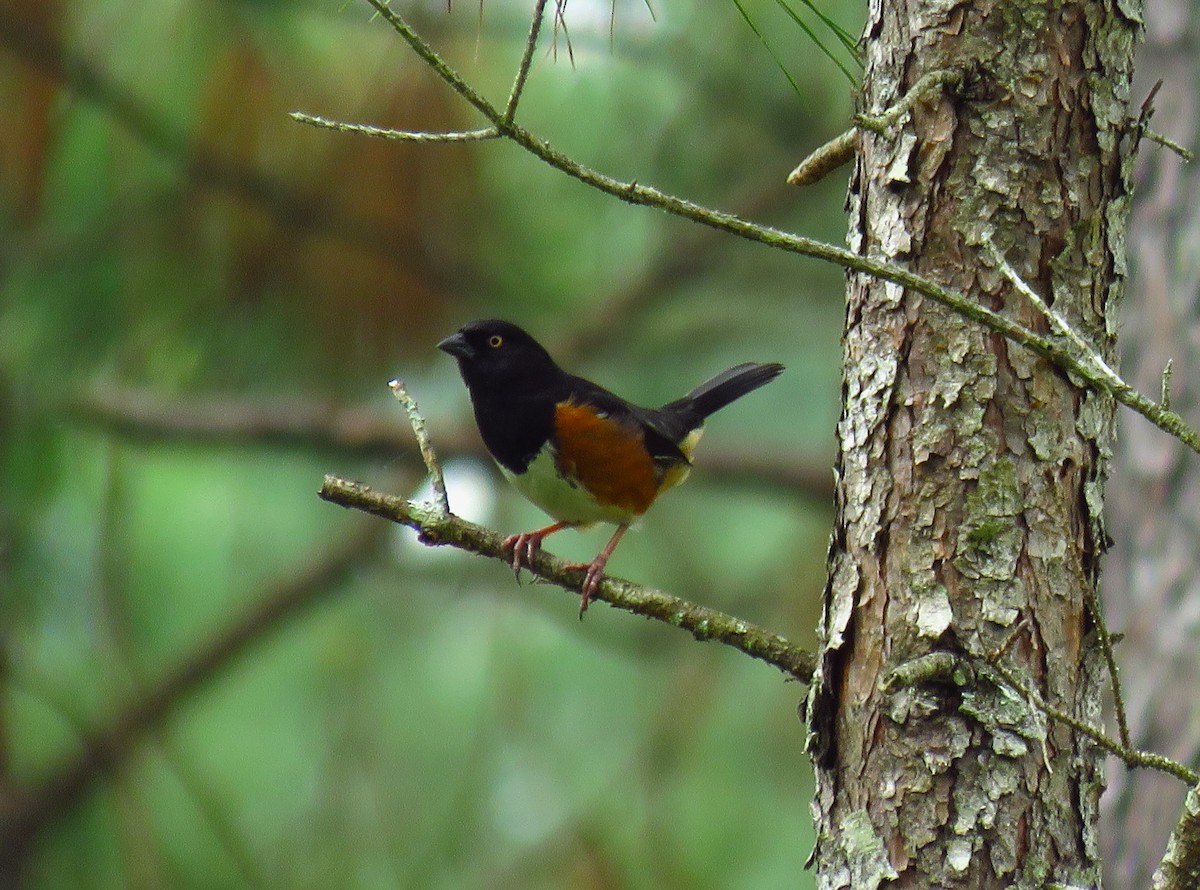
{"type": "Point", "coordinates": [579, 452]}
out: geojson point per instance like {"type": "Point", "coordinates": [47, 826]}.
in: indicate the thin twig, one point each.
{"type": "Point", "coordinates": [959, 669]}
{"type": "Point", "coordinates": [437, 63]}
{"type": "Point", "coordinates": [825, 159]}
{"type": "Point", "coordinates": [435, 528]}
{"type": "Point", "coordinates": [514, 97]}
{"type": "Point", "coordinates": [1015, 634]}
{"type": "Point", "coordinates": [1110, 659]}
{"type": "Point", "coordinates": [480, 135]}
{"type": "Point", "coordinates": [427, 453]}
{"type": "Point", "coordinates": [1059, 325]}
{"type": "Point", "coordinates": [1169, 144]}
{"type": "Point", "coordinates": [1091, 356]}
{"type": "Point", "coordinates": [1131, 757]}
{"type": "Point", "coordinates": [636, 193]}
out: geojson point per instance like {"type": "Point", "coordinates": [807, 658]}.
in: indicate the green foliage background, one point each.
{"type": "Point", "coordinates": [170, 238]}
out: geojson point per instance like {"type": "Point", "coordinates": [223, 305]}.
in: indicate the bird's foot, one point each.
{"type": "Point", "coordinates": [595, 570]}
{"type": "Point", "coordinates": [594, 574]}
{"type": "Point", "coordinates": [523, 547]}
{"type": "Point", "coordinates": [526, 545]}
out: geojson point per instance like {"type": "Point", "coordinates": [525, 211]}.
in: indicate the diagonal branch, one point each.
{"type": "Point", "coordinates": [535, 27]}
{"type": "Point", "coordinates": [949, 667]}
{"type": "Point", "coordinates": [431, 58]}
{"type": "Point", "coordinates": [1131, 757]}
{"type": "Point", "coordinates": [25, 813]}
{"type": "Point", "coordinates": [436, 528]}
{"type": "Point", "coordinates": [1052, 349]}
{"type": "Point", "coordinates": [417, 422]}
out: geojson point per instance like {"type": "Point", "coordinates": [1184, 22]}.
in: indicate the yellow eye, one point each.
{"type": "Point", "coordinates": [495, 341]}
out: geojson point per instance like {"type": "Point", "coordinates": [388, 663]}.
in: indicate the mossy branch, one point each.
{"type": "Point", "coordinates": [950, 667]}
{"type": "Point", "coordinates": [437, 528]}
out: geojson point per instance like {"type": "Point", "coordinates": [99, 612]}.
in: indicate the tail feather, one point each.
{"type": "Point", "coordinates": [714, 394]}
{"type": "Point", "coordinates": [671, 429]}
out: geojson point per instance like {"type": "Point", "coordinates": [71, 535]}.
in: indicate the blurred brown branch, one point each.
{"type": "Point", "coordinates": [437, 528]}
{"type": "Point", "coordinates": [25, 812]}
{"type": "Point", "coordinates": [293, 209]}
{"type": "Point", "coordinates": [317, 424]}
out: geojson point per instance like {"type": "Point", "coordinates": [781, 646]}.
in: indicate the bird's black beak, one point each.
{"type": "Point", "coordinates": [457, 346]}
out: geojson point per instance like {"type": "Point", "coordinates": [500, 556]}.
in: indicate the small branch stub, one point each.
{"type": "Point", "coordinates": [427, 453]}
{"type": "Point", "coordinates": [840, 149]}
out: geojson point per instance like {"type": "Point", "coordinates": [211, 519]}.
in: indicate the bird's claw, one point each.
{"type": "Point", "coordinates": [591, 583]}
{"type": "Point", "coordinates": [524, 547]}
{"type": "Point", "coordinates": [593, 575]}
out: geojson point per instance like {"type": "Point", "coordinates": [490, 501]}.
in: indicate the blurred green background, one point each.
{"type": "Point", "coordinates": [212, 679]}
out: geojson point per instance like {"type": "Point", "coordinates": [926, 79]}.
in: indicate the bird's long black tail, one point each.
{"type": "Point", "coordinates": [714, 394]}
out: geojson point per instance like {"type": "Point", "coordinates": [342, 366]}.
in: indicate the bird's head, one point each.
{"type": "Point", "coordinates": [494, 354]}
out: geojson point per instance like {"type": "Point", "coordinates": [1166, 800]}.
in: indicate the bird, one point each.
{"type": "Point", "coordinates": [581, 453]}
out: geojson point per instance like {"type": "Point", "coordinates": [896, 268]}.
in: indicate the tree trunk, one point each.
{"type": "Point", "coordinates": [971, 473]}
{"type": "Point", "coordinates": [1153, 582]}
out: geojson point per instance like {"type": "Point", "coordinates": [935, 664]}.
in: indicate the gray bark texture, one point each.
{"type": "Point", "coordinates": [971, 473]}
{"type": "Point", "coordinates": [1152, 581]}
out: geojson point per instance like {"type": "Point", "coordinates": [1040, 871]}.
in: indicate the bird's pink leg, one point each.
{"type": "Point", "coordinates": [595, 569]}
{"type": "Point", "coordinates": [526, 544]}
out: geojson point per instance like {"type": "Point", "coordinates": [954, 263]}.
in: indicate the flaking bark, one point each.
{"type": "Point", "coordinates": [971, 472]}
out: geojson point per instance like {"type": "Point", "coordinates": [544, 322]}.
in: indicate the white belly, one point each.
{"type": "Point", "coordinates": [563, 499]}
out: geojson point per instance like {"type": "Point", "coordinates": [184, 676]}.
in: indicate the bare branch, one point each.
{"type": "Point", "coordinates": [388, 133]}
{"type": "Point", "coordinates": [944, 666]}
{"type": "Point", "coordinates": [840, 149]}
{"type": "Point", "coordinates": [1170, 145]}
{"type": "Point", "coordinates": [823, 160]}
{"type": "Point", "coordinates": [1131, 757]}
{"type": "Point", "coordinates": [932, 82]}
{"type": "Point", "coordinates": [437, 63]}
{"type": "Point", "coordinates": [436, 528]}
{"type": "Point", "coordinates": [1084, 351]}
